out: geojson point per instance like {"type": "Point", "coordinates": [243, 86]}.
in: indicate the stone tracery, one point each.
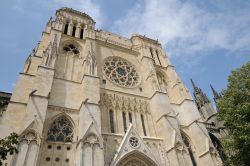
{"type": "Point", "coordinates": [60, 130]}
{"type": "Point", "coordinates": [121, 72]}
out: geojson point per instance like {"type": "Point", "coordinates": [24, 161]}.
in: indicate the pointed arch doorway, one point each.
{"type": "Point", "coordinates": [136, 158]}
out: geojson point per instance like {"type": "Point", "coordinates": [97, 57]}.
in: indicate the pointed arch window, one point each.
{"type": "Point", "coordinates": [61, 130]}
{"type": "Point", "coordinates": [74, 31]}
{"type": "Point", "coordinates": [111, 121]}
{"type": "Point", "coordinates": [189, 147]}
{"type": "Point", "coordinates": [130, 117]}
{"type": "Point", "coordinates": [66, 28]}
{"type": "Point", "coordinates": [143, 125]}
{"type": "Point", "coordinates": [124, 121]}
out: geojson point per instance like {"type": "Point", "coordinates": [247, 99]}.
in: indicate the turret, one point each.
{"type": "Point", "coordinates": [203, 103]}
{"type": "Point", "coordinates": [217, 96]}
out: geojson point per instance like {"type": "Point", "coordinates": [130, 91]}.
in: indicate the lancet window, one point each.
{"type": "Point", "coordinates": [66, 28]}
{"type": "Point", "coordinates": [74, 31]}
{"type": "Point", "coordinates": [111, 121]}
{"type": "Point", "coordinates": [130, 117]}
{"type": "Point", "coordinates": [143, 125]}
{"type": "Point", "coordinates": [81, 33]}
{"type": "Point", "coordinates": [124, 121]}
{"type": "Point", "coordinates": [60, 130]}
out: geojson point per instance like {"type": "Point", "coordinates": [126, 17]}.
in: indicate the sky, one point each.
{"type": "Point", "coordinates": [204, 39]}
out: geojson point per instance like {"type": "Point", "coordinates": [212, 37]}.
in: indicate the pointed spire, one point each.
{"type": "Point", "coordinates": [196, 89]}
{"type": "Point", "coordinates": [199, 96]}
{"type": "Point", "coordinates": [217, 95]}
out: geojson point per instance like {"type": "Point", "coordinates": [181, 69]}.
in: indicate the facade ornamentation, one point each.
{"type": "Point", "coordinates": [83, 120]}
{"type": "Point", "coordinates": [60, 130]}
{"type": "Point", "coordinates": [50, 53]}
{"type": "Point", "coordinates": [115, 101]}
{"type": "Point", "coordinates": [120, 72]}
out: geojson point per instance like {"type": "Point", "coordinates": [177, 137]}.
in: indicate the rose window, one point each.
{"type": "Point", "coordinates": [121, 72]}
{"type": "Point", "coordinates": [134, 142]}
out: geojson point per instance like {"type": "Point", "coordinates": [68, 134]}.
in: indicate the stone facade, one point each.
{"type": "Point", "coordinates": [90, 97]}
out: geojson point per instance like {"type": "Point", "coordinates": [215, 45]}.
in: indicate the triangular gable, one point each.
{"type": "Point", "coordinates": [92, 127]}
{"type": "Point", "coordinates": [29, 125]}
{"type": "Point", "coordinates": [132, 142]}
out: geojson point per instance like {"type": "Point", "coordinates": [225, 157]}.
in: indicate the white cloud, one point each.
{"type": "Point", "coordinates": [188, 28]}
{"type": "Point", "coordinates": [87, 6]}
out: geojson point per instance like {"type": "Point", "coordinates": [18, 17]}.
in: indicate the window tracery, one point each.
{"type": "Point", "coordinates": [120, 72]}
{"type": "Point", "coordinates": [134, 142]}
{"type": "Point", "coordinates": [70, 48]}
{"type": "Point", "coordinates": [60, 130]}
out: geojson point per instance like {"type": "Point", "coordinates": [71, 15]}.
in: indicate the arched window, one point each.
{"type": "Point", "coordinates": [74, 31]}
{"type": "Point", "coordinates": [111, 121]}
{"type": "Point", "coordinates": [189, 147]}
{"type": "Point", "coordinates": [66, 28]}
{"type": "Point", "coordinates": [60, 130]}
{"type": "Point", "coordinates": [124, 121]}
{"type": "Point", "coordinates": [81, 33]}
{"type": "Point", "coordinates": [70, 48]}
{"type": "Point", "coordinates": [143, 125]}
{"type": "Point", "coordinates": [130, 117]}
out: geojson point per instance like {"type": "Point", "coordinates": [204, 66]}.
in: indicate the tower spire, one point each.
{"type": "Point", "coordinates": [196, 89]}
{"type": "Point", "coordinates": [198, 93]}
{"type": "Point", "coordinates": [217, 95]}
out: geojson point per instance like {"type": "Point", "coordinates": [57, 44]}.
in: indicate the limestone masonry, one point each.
{"type": "Point", "coordinates": [88, 97]}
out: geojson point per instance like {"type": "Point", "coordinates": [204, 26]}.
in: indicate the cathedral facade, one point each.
{"type": "Point", "coordinates": [88, 97]}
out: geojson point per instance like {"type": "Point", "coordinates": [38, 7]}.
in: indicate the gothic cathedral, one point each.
{"type": "Point", "coordinates": [88, 97]}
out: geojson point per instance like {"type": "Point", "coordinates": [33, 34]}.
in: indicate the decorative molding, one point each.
{"type": "Point", "coordinates": [114, 101]}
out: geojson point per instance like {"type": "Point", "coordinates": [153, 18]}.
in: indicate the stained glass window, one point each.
{"type": "Point", "coordinates": [60, 130]}
{"type": "Point", "coordinates": [120, 72]}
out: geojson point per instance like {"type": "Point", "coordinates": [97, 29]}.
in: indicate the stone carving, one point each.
{"type": "Point", "coordinates": [120, 102]}
{"type": "Point", "coordinates": [152, 77]}
{"type": "Point", "coordinates": [134, 142]}
{"type": "Point", "coordinates": [162, 81]}
{"type": "Point", "coordinates": [91, 140]}
{"type": "Point", "coordinates": [90, 64]}
{"type": "Point", "coordinates": [50, 53]}
{"type": "Point", "coordinates": [30, 136]}
{"type": "Point", "coordinates": [120, 72]}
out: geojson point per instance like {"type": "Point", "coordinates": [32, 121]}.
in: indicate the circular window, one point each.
{"type": "Point", "coordinates": [47, 158]}
{"type": "Point", "coordinates": [121, 72]}
{"type": "Point", "coordinates": [57, 159]}
{"type": "Point", "coordinates": [134, 142]}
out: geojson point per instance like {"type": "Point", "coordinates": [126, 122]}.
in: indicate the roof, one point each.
{"type": "Point", "coordinates": [75, 11]}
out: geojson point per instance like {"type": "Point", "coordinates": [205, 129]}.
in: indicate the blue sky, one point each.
{"type": "Point", "coordinates": [205, 40]}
